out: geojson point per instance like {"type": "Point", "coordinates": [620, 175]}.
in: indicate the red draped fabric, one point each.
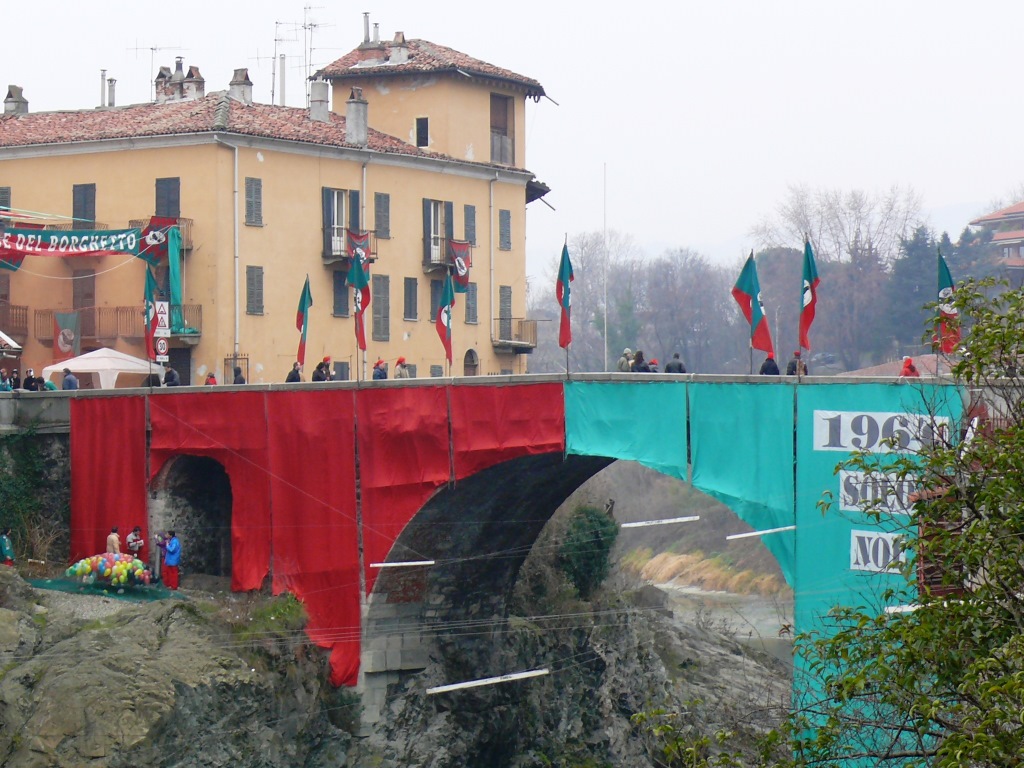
{"type": "Point", "coordinates": [232, 429]}
{"type": "Point", "coordinates": [492, 424]}
{"type": "Point", "coordinates": [108, 470]}
{"type": "Point", "coordinates": [402, 436]}
{"type": "Point", "coordinates": [311, 436]}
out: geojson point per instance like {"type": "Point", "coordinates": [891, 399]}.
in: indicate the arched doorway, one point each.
{"type": "Point", "coordinates": [192, 496]}
{"type": "Point", "coordinates": [471, 364]}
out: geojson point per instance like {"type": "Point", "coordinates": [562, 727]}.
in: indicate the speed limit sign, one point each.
{"type": "Point", "coordinates": [161, 350]}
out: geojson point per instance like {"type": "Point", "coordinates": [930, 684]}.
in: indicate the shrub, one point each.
{"type": "Point", "coordinates": [584, 555]}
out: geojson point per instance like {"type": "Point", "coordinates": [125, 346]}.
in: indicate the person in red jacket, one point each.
{"type": "Point", "coordinates": [908, 368]}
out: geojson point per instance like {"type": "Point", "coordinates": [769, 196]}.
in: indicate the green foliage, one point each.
{"type": "Point", "coordinates": [941, 685]}
{"type": "Point", "coordinates": [276, 618]}
{"type": "Point", "coordinates": [21, 477]}
{"type": "Point", "coordinates": [585, 553]}
{"type": "Point", "coordinates": [678, 740]}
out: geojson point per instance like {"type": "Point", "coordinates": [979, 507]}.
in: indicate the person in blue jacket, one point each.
{"type": "Point", "coordinates": [172, 559]}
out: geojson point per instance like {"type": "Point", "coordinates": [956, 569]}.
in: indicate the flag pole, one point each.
{"type": "Point", "coordinates": [565, 244]}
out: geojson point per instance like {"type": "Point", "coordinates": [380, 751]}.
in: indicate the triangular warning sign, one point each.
{"type": "Point", "coordinates": [162, 320]}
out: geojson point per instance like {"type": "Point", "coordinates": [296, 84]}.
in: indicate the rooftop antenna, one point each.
{"type": "Point", "coordinates": [152, 55]}
{"type": "Point", "coordinates": [278, 40]}
{"type": "Point", "coordinates": [309, 26]}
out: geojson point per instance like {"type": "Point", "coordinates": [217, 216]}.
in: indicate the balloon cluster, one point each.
{"type": "Point", "coordinates": [116, 570]}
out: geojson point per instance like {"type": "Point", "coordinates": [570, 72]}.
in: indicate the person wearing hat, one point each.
{"type": "Point", "coordinates": [30, 382]}
{"type": "Point", "coordinates": [769, 367]}
{"type": "Point", "coordinates": [909, 369]}
{"type": "Point", "coordinates": [796, 366]}
{"type": "Point", "coordinates": [15, 379]}
{"type": "Point", "coordinates": [239, 378]}
{"type": "Point", "coordinates": [211, 379]}
{"type": "Point", "coordinates": [70, 380]}
{"type": "Point", "coordinates": [380, 370]}
{"type": "Point", "coordinates": [626, 361]}
{"type": "Point", "coordinates": [401, 369]}
{"type": "Point", "coordinates": [654, 365]}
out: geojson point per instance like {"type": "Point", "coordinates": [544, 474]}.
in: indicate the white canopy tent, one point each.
{"type": "Point", "coordinates": [105, 369]}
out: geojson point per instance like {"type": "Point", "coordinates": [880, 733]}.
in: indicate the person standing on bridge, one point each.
{"type": "Point", "coordinates": [70, 380]}
{"type": "Point", "coordinates": [380, 370]}
{"type": "Point", "coordinates": [675, 365]}
{"type": "Point", "coordinates": [639, 364]}
{"type": "Point", "coordinates": [294, 374]}
{"type": "Point", "coordinates": [909, 369]}
{"type": "Point", "coordinates": [769, 367]}
{"type": "Point", "coordinates": [796, 366]}
{"type": "Point", "coordinates": [626, 361]}
{"type": "Point", "coordinates": [401, 369]}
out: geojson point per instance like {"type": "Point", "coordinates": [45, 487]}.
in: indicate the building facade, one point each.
{"type": "Point", "coordinates": [266, 195]}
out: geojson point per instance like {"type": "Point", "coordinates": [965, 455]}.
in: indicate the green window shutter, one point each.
{"type": "Point", "coordinates": [410, 308]}
{"type": "Point", "coordinates": [254, 290]}
{"type": "Point", "coordinates": [449, 221]}
{"type": "Point", "coordinates": [327, 207]}
{"type": "Point", "coordinates": [254, 202]}
{"type": "Point", "coordinates": [340, 293]}
{"type": "Point", "coordinates": [505, 230]}
{"type": "Point", "coordinates": [353, 209]}
{"type": "Point", "coordinates": [471, 313]}
{"type": "Point", "coordinates": [168, 198]}
{"type": "Point", "coordinates": [426, 229]}
{"type": "Point", "coordinates": [435, 297]}
{"type": "Point", "coordinates": [380, 302]}
{"type": "Point", "coordinates": [469, 218]}
{"type": "Point", "coordinates": [382, 214]}
{"type": "Point", "coordinates": [83, 206]}
{"type": "Point", "coordinates": [436, 371]}
{"type": "Point", "coordinates": [505, 312]}
{"type": "Point", "coordinates": [5, 197]}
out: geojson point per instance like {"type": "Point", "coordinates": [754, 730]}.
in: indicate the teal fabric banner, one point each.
{"type": "Point", "coordinates": [639, 421]}
{"type": "Point", "coordinates": [174, 271]}
{"type": "Point", "coordinates": [742, 451]}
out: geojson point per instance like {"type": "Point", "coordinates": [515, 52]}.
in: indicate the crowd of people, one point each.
{"type": "Point", "coordinates": [168, 543]}
{"type": "Point", "coordinates": [635, 362]}
{"type": "Point", "coordinates": [32, 383]}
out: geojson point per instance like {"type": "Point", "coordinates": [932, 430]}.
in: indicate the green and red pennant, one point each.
{"type": "Point", "coordinates": [152, 292]}
{"type": "Point", "coordinates": [443, 321]}
{"type": "Point", "coordinates": [747, 293]}
{"type": "Point", "coordinates": [949, 320]}
{"type": "Point", "coordinates": [562, 291]}
{"type": "Point", "coordinates": [302, 320]}
{"type": "Point", "coordinates": [809, 300]}
{"type": "Point", "coordinates": [359, 279]}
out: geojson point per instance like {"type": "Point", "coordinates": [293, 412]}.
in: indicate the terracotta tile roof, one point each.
{"type": "Point", "coordinates": [1012, 212]}
{"type": "Point", "coordinates": [423, 56]}
{"type": "Point", "coordinates": [1005, 237]}
{"type": "Point", "coordinates": [215, 112]}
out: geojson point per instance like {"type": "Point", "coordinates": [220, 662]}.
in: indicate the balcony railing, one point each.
{"type": "Point", "coordinates": [337, 250]}
{"type": "Point", "coordinates": [105, 324]}
{"type": "Point", "coordinates": [440, 252]}
{"type": "Point", "coordinates": [185, 225]}
{"type": "Point", "coordinates": [79, 226]}
{"type": "Point", "coordinates": [14, 321]}
{"type": "Point", "coordinates": [514, 333]}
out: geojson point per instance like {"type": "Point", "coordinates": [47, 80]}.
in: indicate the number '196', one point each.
{"type": "Point", "coordinates": [878, 432]}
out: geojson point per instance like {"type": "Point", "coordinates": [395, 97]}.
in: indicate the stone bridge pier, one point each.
{"type": "Point", "coordinates": [439, 622]}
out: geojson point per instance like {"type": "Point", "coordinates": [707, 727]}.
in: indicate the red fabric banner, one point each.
{"type": "Point", "coordinates": [108, 470]}
{"type": "Point", "coordinates": [229, 428]}
{"type": "Point", "coordinates": [313, 486]}
{"type": "Point", "coordinates": [492, 424]}
{"type": "Point", "coordinates": [402, 436]}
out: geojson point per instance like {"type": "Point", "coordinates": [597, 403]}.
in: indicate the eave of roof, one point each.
{"type": "Point", "coordinates": [1012, 236]}
{"type": "Point", "coordinates": [1015, 211]}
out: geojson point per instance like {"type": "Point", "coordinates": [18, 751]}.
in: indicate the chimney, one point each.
{"type": "Point", "coordinates": [162, 85]}
{"type": "Point", "coordinates": [366, 27]}
{"type": "Point", "coordinates": [240, 87]}
{"type": "Point", "coordinates": [319, 92]}
{"type": "Point", "coordinates": [376, 33]}
{"type": "Point", "coordinates": [356, 112]}
{"type": "Point", "coordinates": [15, 103]}
{"type": "Point", "coordinates": [103, 87]}
{"type": "Point", "coordinates": [281, 73]}
{"type": "Point", "coordinates": [399, 50]}
{"type": "Point", "coordinates": [110, 91]}
{"type": "Point", "coordinates": [195, 85]}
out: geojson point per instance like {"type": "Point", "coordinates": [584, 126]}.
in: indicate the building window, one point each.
{"type": "Point", "coordinates": [471, 316]}
{"type": "Point", "coordinates": [436, 371]}
{"type": "Point", "coordinates": [469, 219]}
{"type": "Point", "coordinates": [438, 228]}
{"type": "Point", "coordinates": [505, 312]}
{"type": "Point", "coordinates": [501, 130]}
{"type": "Point", "coordinates": [342, 371]}
{"type": "Point", "coordinates": [411, 367]}
{"type": "Point", "coordinates": [422, 132]}
{"type": "Point", "coordinates": [505, 230]}
{"type": "Point", "coordinates": [380, 301]}
{"type": "Point", "coordinates": [168, 198]}
{"type": "Point", "coordinates": [340, 212]}
{"type": "Point", "coordinates": [253, 202]}
{"type": "Point", "coordinates": [340, 293]}
{"type": "Point", "coordinates": [5, 197]}
{"type": "Point", "coordinates": [382, 214]}
{"type": "Point", "coordinates": [411, 309]}
{"type": "Point", "coordinates": [83, 206]}
{"type": "Point", "coordinates": [254, 290]}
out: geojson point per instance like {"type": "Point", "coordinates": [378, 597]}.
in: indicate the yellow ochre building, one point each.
{"type": "Point", "coordinates": [423, 151]}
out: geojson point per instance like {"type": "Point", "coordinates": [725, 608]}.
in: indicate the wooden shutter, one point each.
{"type": "Point", "coordinates": [380, 301]}
{"type": "Point", "coordinates": [5, 197]}
{"type": "Point", "coordinates": [505, 312]}
{"type": "Point", "coordinates": [426, 229]}
{"type": "Point", "coordinates": [168, 197]}
{"type": "Point", "coordinates": [327, 207]}
{"type": "Point", "coordinates": [83, 300]}
{"type": "Point", "coordinates": [83, 206]}
{"type": "Point", "coordinates": [382, 214]}
{"type": "Point", "coordinates": [449, 221]}
{"type": "Point", "coordinates": [505, 230]}
{"type": "Point", "coordinates": [340, 293]}
{"type": "Point", "coordinates": [469, 219]}
{"type": "Point", "coordinates": [435, 297]}
{"type": "Point", "coordinates": [410, 309]}
{"type": "Point", "coordinates": [353, 209]}
{"type": "Point", "coordinates": [254, 202]}
{"type": "Point", "coordinates": [471, 312]}
{"type": "Point", "coordinates": [254, 290]}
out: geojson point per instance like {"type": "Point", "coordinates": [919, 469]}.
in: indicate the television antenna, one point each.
{"type": "Point", "coordinates": [309, 27]}
{"type": "Point", "coordinates": [152, 61]}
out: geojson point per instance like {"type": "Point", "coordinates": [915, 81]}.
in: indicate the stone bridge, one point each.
{"type": "Point", "coordinates": [399, 510]}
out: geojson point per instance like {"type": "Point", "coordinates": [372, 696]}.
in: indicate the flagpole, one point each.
{"type": "Point", "coordinates": [605, 299]}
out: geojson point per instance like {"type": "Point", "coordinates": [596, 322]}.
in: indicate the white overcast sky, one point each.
{"type": "Point", "coordinates": [681, 123]}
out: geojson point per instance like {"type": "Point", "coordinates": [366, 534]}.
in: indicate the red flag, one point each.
{"type": "Point", "coordinates": [443, 321]}
{"type": "Point", "coordinates": [359, 279]}
{"type": "Point", "coordinates": [565, 277]}
{"type": "Point", "coordinates": [462, 258]}
{"type": "Point", "coordinates": [949, 325]}
{"type": "Point", "coordinates": [809, 296]}
{"type": "Point", "coordinates": [302, 320]}
{"type": "Point", "coordinates": [747, 293]}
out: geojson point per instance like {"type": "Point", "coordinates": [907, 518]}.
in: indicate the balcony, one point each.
{"type": "Point", "coordinates": [104, 325]}
{"type": "Point", "coordinates": [337, 249]}
{"type": "Point", "coordinates": [185, 225]}
{"type": "Point", "coordinates": [14, 321]}
{"type": "Point", "coordinates": [441, 253]}
{"type": "Point", "coordinates": [514, 334]}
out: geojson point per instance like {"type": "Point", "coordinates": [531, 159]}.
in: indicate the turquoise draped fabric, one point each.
{"type": "Point", "coordinates": [174, 268]}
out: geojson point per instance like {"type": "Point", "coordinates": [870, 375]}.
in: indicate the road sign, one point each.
{"type": "Point", "coordinates": [163, 319]}
{"type": "Point", "coordinates": [161, 347]}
